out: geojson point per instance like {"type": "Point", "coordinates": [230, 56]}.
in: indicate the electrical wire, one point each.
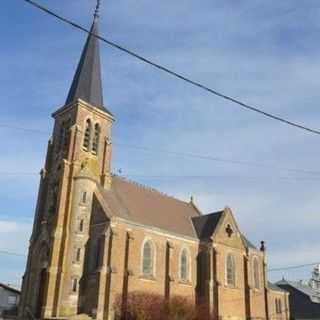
{"type": "Point", "coordinates": [294, 267]}
{"type": "Point", "coordinates": [299, 266]}
{"type": "Point", "coordinates": [184, 154]}
{"type": "Point", "coordinates": [174, 73]}
{"type": "Point", "coordinates": [10, 253]}
{"type": "Point", "coordinates": [185, 177]}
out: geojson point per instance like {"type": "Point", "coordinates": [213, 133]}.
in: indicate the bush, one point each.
{"type": "Point", "coordinates": [143, 306]}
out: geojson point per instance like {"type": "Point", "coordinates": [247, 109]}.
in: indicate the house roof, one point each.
{"type": "Point", "coordinates": [6, 287]}
{"type": "Point", "coordinates": [274, 287]}
{"type": "Point", "coordinates": [205, 225]}
{"type": "Point", "coordinates": [87, 83]}
{"type": "Point", "coordinates": [313, 294]}
{"type": "Point", "coordinates": [146, 206]}
{"type": "Point", "coordinates": [302, 300]}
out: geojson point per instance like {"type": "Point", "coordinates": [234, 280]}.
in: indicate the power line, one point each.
{"type": "Point", "coordinates": [294, 267]}
{"type": "Point", "coordinates": [157, 177]}
{"type": "Point", "coordinates": [10, 253]}
{"type": "Point", "coordinates": [184, 154]}
{"type": "Point", "coordinates": [217, 159]}
{"type": "Point", "coordinates": [186, 177]}
{"type": "Point", "coordinates": [17, 173]}
{"type": "Point", "coordinates": [3, 125]}
{"type": "Point", "coordinates": [174, 73]}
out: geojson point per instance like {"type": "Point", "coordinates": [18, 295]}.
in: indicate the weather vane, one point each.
{"type": "Point", "coordinates": [96, 13]}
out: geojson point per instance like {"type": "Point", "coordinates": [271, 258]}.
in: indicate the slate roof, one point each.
{"type": "Point", "coordinates": [6, 287]}
{"type": "Point", "coordinates": [145, 206]}
{"type": "Point", "coordinates": [87, 83]}
{"type": "Point", "coordinates": [304, 288]}
{"type": "Point", "coordinates": [205, 225]}
{"type": "Point", "coordinates": [274, 287]}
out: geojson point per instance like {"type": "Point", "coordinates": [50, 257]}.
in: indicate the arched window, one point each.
{"type": "Point", "coordinates": [96, 139]}
{"type": "Point", "coordinates": [64, 136]}
{"type": "Point", "coordinates": [184, 265]}
{"type": "Point", "coordinates": [256, 276]}
{"type": "Point", "coordinates": [87, 135]}
{"type": "Point", "coordinates": [230, 271]}
{"type": "Point", "coordinates": [147, 259]}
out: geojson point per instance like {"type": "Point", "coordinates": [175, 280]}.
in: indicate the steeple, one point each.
{"type": "Point", "coordinates": [87, 84]}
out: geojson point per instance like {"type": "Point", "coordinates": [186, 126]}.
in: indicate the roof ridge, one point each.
{"type": "Point", "coordinates": [150, 189]}
{"type": "Point", "coordinates": [194, 206]}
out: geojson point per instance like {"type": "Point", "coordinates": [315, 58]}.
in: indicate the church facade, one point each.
{"type": "Point", "coordinates": [98, 236]}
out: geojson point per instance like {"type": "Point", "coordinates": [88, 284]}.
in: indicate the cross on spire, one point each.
{"type": "Point", "coordinates": [97, 11]}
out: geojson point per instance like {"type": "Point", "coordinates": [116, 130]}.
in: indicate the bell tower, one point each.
{"type": "Point", "coordinates": [78, 162]}
{"type": "Point", "coordinates": [82, 131]}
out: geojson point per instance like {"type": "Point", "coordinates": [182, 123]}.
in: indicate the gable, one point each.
{"type": "Point", "coordinates": [227, 231]}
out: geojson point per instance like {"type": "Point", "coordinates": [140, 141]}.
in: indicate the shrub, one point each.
{"type": "Point", "coordinates": [146, 306]}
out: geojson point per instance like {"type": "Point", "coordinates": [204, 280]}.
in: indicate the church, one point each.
{"type": "Point", "coordinates": [97, 236]}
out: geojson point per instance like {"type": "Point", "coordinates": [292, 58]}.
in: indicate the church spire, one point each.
{"type": "Point", "coordinates": [87, 84]}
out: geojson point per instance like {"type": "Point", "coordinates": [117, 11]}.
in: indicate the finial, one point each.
{"type": "Point", "coordinates": [97, 11]}
{"type": "Point", "coordinates": [263, 246]}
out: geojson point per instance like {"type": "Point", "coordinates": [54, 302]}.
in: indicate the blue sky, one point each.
{"type": "Point", "coordinates": [264, 53]}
